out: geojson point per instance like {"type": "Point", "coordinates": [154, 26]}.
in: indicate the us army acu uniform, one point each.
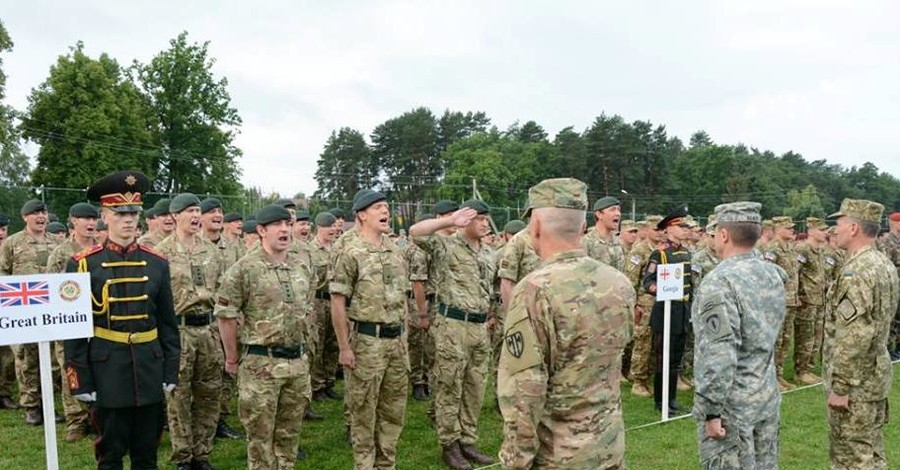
{"type": "Point", "coordinates": [783, 254]}
{"type": "Point", "coordinates": [567, 326]}
{"type": "Point", "coordinates": [812, 299]}
{"type": "Point", "coordinates": [703, 261]}
{"type": "Point", "coordinates": [193, 407]}
{"type": "Point", "coordinates": [641, 351]}
{"type": "Point", "coordinates": [855, 358]}
{"type": "Point", "coordinates": [375, 278]}
{"type": "Point", "coordinates": [27, 253]}
{"type": "Point", "coordinates": [739, 307]}
{"type": "Point", "coordinates": [271, 297]}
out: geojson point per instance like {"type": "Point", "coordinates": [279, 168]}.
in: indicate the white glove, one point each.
{"type": "Point", "coordinates": [168, 387]}
{"type": "Point", "coordinates": [86, 397]}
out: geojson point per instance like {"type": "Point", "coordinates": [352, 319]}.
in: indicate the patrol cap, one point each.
{"type": "Point", "coordinates": [653, 221]}
{"type": "Point", "coordinates": [302, 214]}
{"type": "Point", "coordinates": [162, 206]}
{"type": "Point", "coordinates": [782, 221]}
{"type": "Point", "coordinates": [690, 222]}
{"type": "Point", "coordinates": [422, 217]}
{"type": "Point", "coordinates": [32, 206]}
{"type": "Point", "coordinates": [741, 211]}
{"type": "Point", "coordinates": [604, 202]}
{"type": "Point", "coordinates": [816, 223]}
{"type": "Point", "coordinates": [101, 225]}
{"type": "Point", "coordinates": [249, 226]}
{"type": "Point", "coordinates": [325, 219]}
{"type": "Point", "coordinates": [83, 210]}
{"type": "Point", "coordinates": [514, 226]}
{"type": "Point", "coordinates": [120, 191]}
{"type": "Point", "coordinates": [480, 207]}
{"type": "Point", "coordinates": [445, 206]}
{"type": "Point", "coordinates": [860, 209]}
{"type": "Point", "coordinates": [641, 224]}
{"type": "Point", "coordinates": [182, 202]}
{"type": "Point", "coordinates": [55, 227]}
{"type": "Point", "coordinates": [286, 203]}
{"type": "Point", "coordinates": [232, 217]}
{"type": "Point", "coordinates": [365, 198]}
{"type": "Point", "coordinates": [565, 193]}
{"type": "Point", "coordinates": [711, 223]}
{"type": "Point", "coordinates": [272, 213]}
{"type": "Point", "coordinates": [338, 212]}
{"type": "Point", "coordinates": [676, 217]}
{"type": "Point", "coordinates": [209, 204]}
{"type": "Point", "coordinates": [629, 225]}
{"type": "Point", "coordinates": [767, 223]}
{"type": "Point", "coordinates": [4, 220]}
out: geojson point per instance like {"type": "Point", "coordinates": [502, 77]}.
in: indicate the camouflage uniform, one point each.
{"type": "Point", "coordinates": [783, 255]}
{"type": "Point", "coordinates": [810, 313]}
{"type": "Point", "coordinates": [376, 280]}
{"type": "Point", "coordinates": [194, 406]}
{"type": "Point", "coordinates": [517, 260]}
{"type": "Point", "coordinates": [23, 254]}
{"type": "Point", "coordinates": [421, 344]}
{"type": "Point", "coordinates": [605, 250]}
{"type": "Point", "coordinates": [703, 261]}
{"type": "Point", "coordinates": [324, 364]}
{"type": "Point", "coordinates": [462, 346]}
{"type": "Point", "coordinates": [641, 350]}
{"type": "Point", "coordinates": [891, 247]}
{"type": "Point", "coordinates": [273, 376]}
{"type": "Point", "coordinates": [833, 262]}
{"type": "Point", "coordinates": [152, 239]}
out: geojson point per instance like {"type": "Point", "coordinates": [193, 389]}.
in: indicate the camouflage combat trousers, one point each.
{"type": "Point", "coordinates": [324, 364]}
{"type": "Point", "coordinates": [805, 355]}
{"type": "Point", "coordinates": [273, 394]}
{"type": "Point", "coordinates": [28, 374]}
{"type": "Point", "coordinates": [857, 436]}
{"type": "Point", "coordinates": [687, 362]}
{"type": "Point", "coordinates": [7, 371]}
{"type": "Point", "coordinates": [376, 399]}
{"type": "Point", "coordinates": [783, 345]}
{"type": "Point", "coordinates": [421, 346]}
{"type": "Point", "coordinates": [229, 382]}
{"type": "Point", "coordinates": [745, 446]}
{"type": "Point", "coordinates": [641, 351]}
{"type": "Point", "coordinates": [894, 339]}
{"type": "Point", "coordinates": [462, 355]}
{"type": "Point", "coordinates": [193, 407]}
{"type": "Point", "coordinates": [75, 411]}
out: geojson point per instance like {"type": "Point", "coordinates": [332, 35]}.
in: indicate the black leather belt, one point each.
{"type": "Point", "coordinates": [279, 352]}
{"type": "Point", "coordinates": [457, 314]}
{"type": "Point", "coordinates": [378, 330]}
{"type": "Point", "coordinates": [196, 319]}
{"type": "Point", "coordinates": [323, 294]}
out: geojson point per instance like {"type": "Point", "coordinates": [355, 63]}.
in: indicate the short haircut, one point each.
{"type": "Point", "coordinates": [868, 228]}
{"type": "Point", "coordinates": [743, 234]}
{"type": "Point", "coordinates": [567, 224]}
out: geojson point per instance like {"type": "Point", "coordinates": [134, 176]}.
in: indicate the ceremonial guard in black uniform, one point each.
{"type": "Point", "coordinates": [133, 357]}
{"type": "Point", "coordinates": [671, 252]}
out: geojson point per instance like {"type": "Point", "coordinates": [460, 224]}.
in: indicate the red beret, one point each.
{"type": "Point", "coordinates": [895, 216]}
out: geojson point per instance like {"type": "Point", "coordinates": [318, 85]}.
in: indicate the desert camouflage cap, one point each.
{"type": "Point", "coordinates": [514, 226]}
{"type": "Point", "coordinates": [767, 223]}
{"type": "Point", "coordinates": [860, 209]}
{"type": "Point", "coordinates": [565, 193]}
{"type": "Point", "coordinates": [816, 223]}
{"type": "Point", "coordinates": [741, 211]}
{"type": "Point", "coordinates": [711, 222]}
{"type": "Point", "coordinates": [641, 224]}
{"type": "Point", "coordinates": [653, 220]}
{"type": "Point", "coordinates": [782, 221]}
{"type": "Point", "coordinates": [629, 225]}
{"type": "Point", "coordinates": [604, 202]}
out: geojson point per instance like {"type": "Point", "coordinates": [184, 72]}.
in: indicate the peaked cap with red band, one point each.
{"type": "Point", "coordinates": [121, 191]}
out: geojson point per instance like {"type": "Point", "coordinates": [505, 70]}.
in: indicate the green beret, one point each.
{"type": "Point", "coordinates": [83, 210]}
{"type": "Point", "coordinates": [101, 225]}
{"type": "Point", "coordinates": [209, 204]}
{"type": "Point", "coordinates": [741, 211]}
{"type": "Point", "coordinates": [33, 206]}
{"type": "Point", "coordinates": [422, 217]}
{"type": "Point", "coordinates": [150, 213]}
{"type": "Point", "coordinates": [162, 206]}
{"type": "Point", "coordinates": [514, 226]}
{"type": "Point", "coordinates": [252, 216]}
{"type": "Point", "coordinates": [4, 220]}
{"type": "Point", "coordinates": [272, 213]}
{"type": "Point", "coordinates": [480, 207]}
{"type": "Point", "coordinates": [337, 212]}
{"type": "Point", "coordinates": [55, 227]}
{"type": "Point", "coordinates": [325, 219]}
{"type": "Point", "coordinates": [286, 203]}
{"type": "Point", "coordinates": [565, 193]}
{"type": "Point", "coordinates": [445, 206]}
{"type": "Point", "coordinates": [232, 216]}
{"type": "Point", "coordinates": [605, 202]}
{"type": "Point", "coordinates": [302, 214]}
{"type": "Point", "coordinates": [860, 209]}
{"type": "Point", "coordinates": [365, 198]}
{"type": "Point", "coordinates": [182, 202]}
{"type": "Point", "coordinates": [249, 226]}
{"type": "Point", "coordinates": [51, 217]}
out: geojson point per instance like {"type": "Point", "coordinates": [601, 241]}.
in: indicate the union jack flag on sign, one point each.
{"type": "Point", "coordinates": [16, 294]}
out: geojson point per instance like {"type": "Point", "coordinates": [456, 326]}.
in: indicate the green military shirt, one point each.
{"type": "Point", "coordinates": [467, 275]}
{"type": "Point", "coordinates": [23, 254]}
{"type": "Point", "coordinates": [375, 278]}
{"type": "Point", "coordinates": [195, 273]}
{"type": "Point", "coordinates": [518, 258]}
{"type": "Point", "coordinates": [784, 255]}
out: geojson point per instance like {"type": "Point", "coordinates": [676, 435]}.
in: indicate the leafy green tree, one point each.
{"type": "Point", "coordinates": [14, 165]}
{"type": "Point", "coordinates": [406, 148]}
{"type": "Point", "coordinates": [89, 121]}
{"type": "Point", "coordinates": [194, 122]}
{"type": "Point", "coordinates": [345, 166]}
{"type": "Point", "coordinates": [455, 125]}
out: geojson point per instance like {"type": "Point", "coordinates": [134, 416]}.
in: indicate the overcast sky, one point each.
{"type": "Point", "coordinates": [818, 77]}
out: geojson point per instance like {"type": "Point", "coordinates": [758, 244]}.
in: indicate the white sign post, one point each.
{"type": "Point", "coordinates": [669, 287]}
{"type": "Point", "coordinates": [40, 308]}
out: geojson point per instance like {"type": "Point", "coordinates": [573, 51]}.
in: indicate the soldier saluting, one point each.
{"type": "Point", "coordinates": [133, 357]}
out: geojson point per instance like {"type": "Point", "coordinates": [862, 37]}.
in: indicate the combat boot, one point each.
{"type": "Point", "coordinates": [639, 389]}
{"type": "Point", "coordinates": [8, 403]}
{"type": "Point", "coordinates": [75, 434]}
{"type": "Point", "coordinates": [683, 384]}
{"type": "Point", "coordinates": [34, 416]}
{"type": "Point", "coordinates": [453, 457]}
{"type": "Point", "coordinates": [472, 454]}
{"type": "Point", "coordinates": [808, 378]}
{"type": "Point", "coordinates": [202, 465]}
{"type": "Point", "coordinates": [419, 393]}
{"type": "Point", "coordinates": [330, 393]}
{"type": "Point", "coordinates": [311, 415]}
{"type": "Point", "coordinates": [224, 431]}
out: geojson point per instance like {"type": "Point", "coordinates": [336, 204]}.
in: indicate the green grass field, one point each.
{"type": "Point", "coordinates": [670, 446]}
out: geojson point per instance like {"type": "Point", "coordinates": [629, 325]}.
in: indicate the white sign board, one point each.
{"type": "Point", "coordinates": [670, 282]}
{"type": "Point", "coordinates": [45, 307]}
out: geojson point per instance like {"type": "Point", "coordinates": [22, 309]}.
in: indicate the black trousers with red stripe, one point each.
{"type": "Point", "coordinates": [134, 431]}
